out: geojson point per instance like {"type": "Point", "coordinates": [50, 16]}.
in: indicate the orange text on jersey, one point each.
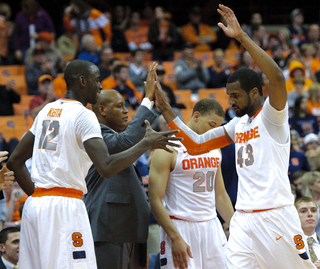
{"type": "Point", "coordinates": [248, 135]}
{"type": "Point", "coordinates": [55, 112]}
{"type": "Point", "coordinates": [200, 162]}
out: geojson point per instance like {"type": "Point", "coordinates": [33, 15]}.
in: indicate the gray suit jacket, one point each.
{"type": "Point", "coordinates": [118, 207]}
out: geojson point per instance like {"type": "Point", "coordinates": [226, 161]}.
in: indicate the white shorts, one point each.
{"type": "Point", "coordinates": [268, 239]}
{"type": "Point", "coordinates": [56, 234]}
{"type": "Point", "coordinates": [207, 243]}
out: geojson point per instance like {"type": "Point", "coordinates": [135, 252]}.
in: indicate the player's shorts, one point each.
{"type": "Point", "coordinates": [56, 234]}
{"type": "Point", "coordinates": [207, 243]}
{"type": "Point", "coordinates": [268, 239]}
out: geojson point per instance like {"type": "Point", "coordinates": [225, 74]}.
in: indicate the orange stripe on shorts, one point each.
{"type": "Point", "coordinates": [57, 191]}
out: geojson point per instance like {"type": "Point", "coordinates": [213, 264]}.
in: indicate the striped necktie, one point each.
{"type": "Point", "coordinates": [313, 255]}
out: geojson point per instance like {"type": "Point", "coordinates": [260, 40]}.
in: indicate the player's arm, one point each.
{"type": "Point", "coordinates": [196, 144]}
{"type": "Point", "coordinates": [16, 162]}
{"type": "Point", "coordinates": [223, 202]}
{"type": "Point", "coordinates": [277, 89]}
{"type": "Point", "coordinates": [108, 165]}
{"type": "Point", "coordinates": [160, 169]}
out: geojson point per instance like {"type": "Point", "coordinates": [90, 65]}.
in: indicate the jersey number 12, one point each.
{"type": "Point", "coordinates": [50, 129]}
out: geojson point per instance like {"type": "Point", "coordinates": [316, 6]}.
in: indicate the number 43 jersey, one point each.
{"type": "Point", "coordinates": [262, 158]}
{"type": "Point", "coordinates": [59, 158]}
{"type": "Point", "coordinates": [190, 192]}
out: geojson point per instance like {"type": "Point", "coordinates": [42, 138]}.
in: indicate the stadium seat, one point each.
{"type": "Point", "coordinates": [232, 56]}
{"type": "Point", "coordinates": [205, 56]}
{"type": "Point", "coordinates": [123, 56]}
{"type": "Point", "coordinates": [15, 126]}
{"type": "Point", "coordinates": [184, 97]}
{"type": "Point", "coordinates": [219, 94]}
{"type": "Point", "coordinates": [12, 70]}
{"type": "Point", "coordinates": [22, 108]}
{"type": "Point", "coordinates": [186, 114]}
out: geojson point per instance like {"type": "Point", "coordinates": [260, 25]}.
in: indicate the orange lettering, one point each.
{"type": "Point", "coordinates": [201, 165]}
{"type": "Point", "coordinates": [256, 132]}
{"type": "Point", "coordinates": [207, 162]}
{"type": "Point", "coordinates": [77, 239]}
{"type": "Point", "coordinates": [185, 165]}
{"type": "Point", "coordinates": [193, 163]}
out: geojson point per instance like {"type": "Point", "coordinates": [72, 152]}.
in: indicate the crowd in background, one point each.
{"type": "Point", "coordinates": [30, 39]}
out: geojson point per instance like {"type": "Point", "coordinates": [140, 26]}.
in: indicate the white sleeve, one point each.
{"type": "Point", "coordinates": [230, 127]}
{"type": "Point", "coordinates": [276, 122]}
{"type": "Point", "coordinates": [87, 125]}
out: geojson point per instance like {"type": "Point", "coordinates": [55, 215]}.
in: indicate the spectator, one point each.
{"type": "Point", "coordinates": [68, 43]}
{"type": "Point", "coordinates": [106, 55]}
{"type": "Point", "coordinates": [296, 68]}
{"type": "Point", "coordinates": [308, 213]}
{"type": "Point", "coordinates": [284, 37]}
{"type": "Point", "coordinates": [310, 183]}
{"type": "Point", "coordinates": [260, 35]}
{"type": "Point", "coordinates": [138, 69]}
{"type": "Point", "coordinates": [109, 82]}
{"type": "Point", "coordinates": [120, 24]}
{"type": "Point", "coordinates": [132, 98]}
{"type": "Point", "coordinates": [223, 41]}
{"type": "Point", "coordinates": [247, 61]}
{"type": "Point", "coordinates": [256, 19]}
{"type": "Point", "coordinates": [311, 141]}
{"type": "Point", "coordinates": [308, 52]}
{"type": "Point", "coordinates": [89, 50]}
{"type": "Point", "coordinates": [8, 96]}
{"type": "Point", "coordinates": [52, 53]}
{"type": "Point", "coordinates": [273, 40]}
{"type": "Point", "coordinates": [147, 15]}
{"type": "Point", "coordinates": [39, 67]}
{"type": "Point", "coordinates": [163, 35]}
{"type": "Point", "coordinates": [59, 83]}
{"type": "Point", "coordinates": [220, 71]}
{"type": "Point", "coordinates": [137, 35]}
{"type": "Point", "coordinates": [46, 95]}
{"type": "Point", "coordinates": [313, 156]}
{"type": "Point", "coordinates": [29, 22]}
{"type": "Point", "coordinates": [296, 92]}
{"type": "Point", "coordinates": [301, 121]}
{"type": "Point", "coordinates": [4, 42]}
{"type": "Point", "coordinates": [297, 159]}
{"type": "Point", "coordinates": [297, 30]}
{"type": "Point", "coordinates": [313, 36]}
{"type": "Point", "coordinates": [191, 73]}
{"type": "Point", "coordinates": [278, 55]}
{"type": "Point", "coordinates": [9, 247]}
{"type": "Point", "coordinates": [293, 56]}
{"type": "Point", "coordinates": [160, 73]}
{"type": "Point", "coordinates": [197, 33]}
{"type": "Point", "coordinates": [84, 19]}
{"type": "Point", "coordinates": [296, 181]}
{"type": "Point", "coordinates": [314, 100]}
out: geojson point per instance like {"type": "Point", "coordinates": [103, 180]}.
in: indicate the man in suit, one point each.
{"type": "Point", "coordinates": [118, 207]}
{"type": "Point", "coordinates": [9, 247]}
{"type": "Point", "coordinates": [308, 214]}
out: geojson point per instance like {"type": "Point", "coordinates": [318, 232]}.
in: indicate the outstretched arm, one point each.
{"type": "Point", "coordinates": [277, 89]}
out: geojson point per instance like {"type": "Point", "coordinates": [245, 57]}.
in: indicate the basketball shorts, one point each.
{"type": "Point", "coordinates": [268, 239]}
{"type": "Point", "coordinates": [207, 243]}
{"type": "Point", "coordinates": [56, 234]}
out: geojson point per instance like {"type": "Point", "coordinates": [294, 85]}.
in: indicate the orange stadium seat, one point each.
{"type": "Point", "coordinates": [169, 77]}
{"type": "Point", "coordinates": [186, 114]}
{"type": "Point", "coordinates": [8, 133]}
{"type": "Point", "coordinates": [232, 56]}
{"type": "Point", "coordinates": [205, 56]}
{"type": "Point", "coordinates": [219, 94]}
{"type": "Point", "coordinates": [123, 56]}
{"type": "Point", "coordinates": [12, 70]}
{"type": "Point", "coordinates": [184, 97]}
{"type": "Point", "coordinates": [18, 83]}
{"type": "Point", "coordinates": [22, 108]}
{"type": "Point", "coordinates": [15, 126]}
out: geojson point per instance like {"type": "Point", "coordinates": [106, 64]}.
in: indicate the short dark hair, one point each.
{"type": "Point", "coordinates": [118, 68]}
{"type": "Point", "coordinates": [207, 106]}
{"type": "Point", "coordinates": [247, 78]}
{"type": "Point", "coordinates": [133, 53]}
{"type": "Point", "coordinates": [297, 175]}
{"type": "Point", "coordinates": [4, 233]}
{"type": "Point", "coordinates": [75, 69]}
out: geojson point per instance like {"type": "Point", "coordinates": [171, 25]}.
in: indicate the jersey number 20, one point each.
{"type": "Point", "coordinates": [47, 136]}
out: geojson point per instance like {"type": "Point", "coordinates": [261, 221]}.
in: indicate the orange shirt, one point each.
{"type": "Point", "coordinates": [60, 86]}
{"type": "Point", "coordinates": [290, 84]}
{"type": "Point", "coordinates": [111, 83]}
{"type": "Point", "coordinates": [313, 108]}
{"type": "Point", "coordinates": [139, 37]}
{"type": "Point", "coordinates": [16, 214]}
{"type": "Point", "coordinates": [189, 34]}
{"type": "Point", "coordinates": [97, 22]}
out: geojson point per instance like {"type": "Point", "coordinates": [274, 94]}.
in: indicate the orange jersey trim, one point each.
{"type": "Point", "coordinates": [57, 191]}
{"type": "Point", "coordinates": [173, 217]}
{"type": "Point", "coordinates": [255, 211]}
{"type": "Point", "coordinates": [196, 149]}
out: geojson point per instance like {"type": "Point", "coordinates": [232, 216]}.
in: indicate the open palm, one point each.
{"type": "Point", "coordinates": [233, 28]}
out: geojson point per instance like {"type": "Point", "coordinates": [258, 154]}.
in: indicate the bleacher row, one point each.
{"type": "Point", "coordinates": [17, 125]}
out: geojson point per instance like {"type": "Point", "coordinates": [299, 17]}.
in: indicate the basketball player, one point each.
{"type": "Point", "coordinates": [192, 187]}
{"type": "Point", "coordinates": [63, 140]}
{"type": "Point", "coordinates": [265, 231]}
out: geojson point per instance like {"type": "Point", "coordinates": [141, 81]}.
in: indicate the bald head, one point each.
{"type": "Point", "coordinates": [77, 68]}
{"type": "Point", "coordinates": [110, 110]}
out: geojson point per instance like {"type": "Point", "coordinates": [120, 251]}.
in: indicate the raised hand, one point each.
{"type": "Point", "coordinates": [180, 252]}
{"type": "Point", "coordinates": [233, 28]}
{"type": "Point", "coordinates": [150, 82]}
{"type": "Point", "coordinates": [160, 140]}
{"type": "Point", "coordinates": [3, 155]}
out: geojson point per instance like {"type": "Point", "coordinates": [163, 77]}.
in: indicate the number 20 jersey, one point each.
{"type": "Point", "coordinates": [190, 192]}
{"type": "Point", "coordinates": [59, 158]}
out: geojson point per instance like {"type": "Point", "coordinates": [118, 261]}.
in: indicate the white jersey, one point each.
{"type": "Point", "coordinates": [262, 163]}
{"type": "Point", "coordinates": [190, 192]}
{"type": "Point", "coordinates": [59, 158]}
